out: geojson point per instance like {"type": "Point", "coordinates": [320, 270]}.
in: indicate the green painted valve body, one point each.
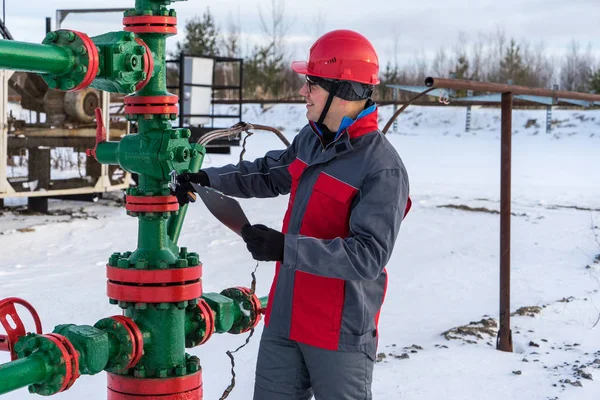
{"type": "Point", "coordinates": [158, 285]}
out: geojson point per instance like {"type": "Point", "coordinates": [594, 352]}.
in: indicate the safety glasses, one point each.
{"type": "Point", "coordinates": [310, 83]}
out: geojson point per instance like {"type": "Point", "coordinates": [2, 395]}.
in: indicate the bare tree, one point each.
{"type": "Point", "coordinates": [267, 71]}
{"type": "Point", "coordinates": [442, 64]}
{"type": "Point", "coordinates": [276, 27]}
{"type": "Point", "coordinates": [576, 69]}
{"type": "Point", "coordinates": [232, 37]}
{"type": "Point", "coordinates": [318, 25]}
{"type": "Point", "coordinates": [541, 67]}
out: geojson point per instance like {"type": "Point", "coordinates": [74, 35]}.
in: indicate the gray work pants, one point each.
{"type": "Point", "coordinates": [288, 370]}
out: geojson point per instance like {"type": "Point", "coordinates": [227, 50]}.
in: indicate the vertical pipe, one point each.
{"type": "Point", "coordinates": [395, 98]}
{"type": "Point", "coordinates": [181, 87]}
{"type": "Point", "coordinates": [48, 25]}
{"type": "Point", "coordinates": [504, 342]}
{"type": "Point", "coordinates": [212, 93]}
{"type": "Point", "coordinates": [176, 221]}
{"type": "Point", "coordinates": [241, 89]}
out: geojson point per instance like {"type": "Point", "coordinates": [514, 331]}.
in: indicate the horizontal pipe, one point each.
{"type": "Point", "coordinates": [23, 372]}
{"type": "Point", "coordinates": [459, 84]}
{"type": "Point", "coordinates": [264, 301]}
{"type": "Point", "coordinates": [36, 58]}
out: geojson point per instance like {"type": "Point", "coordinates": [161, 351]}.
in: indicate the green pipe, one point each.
{"type": "Point", "coordinates": [108, 153]}
{"type": "Point", "coordinates": [23, 372]}
{"type": "Point", "coordinates": [176, 224]}
{"type": "Point", "coordinates": [264, 301]}
{"type": "Point", "coordinates": [176, 221]}
{"type": "Point", "coordinates": [37, 58]}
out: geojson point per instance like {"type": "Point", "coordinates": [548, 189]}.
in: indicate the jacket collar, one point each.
{"type": "Point", "coordinates": [364, 123]}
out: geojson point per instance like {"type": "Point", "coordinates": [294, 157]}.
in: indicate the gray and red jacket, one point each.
{"type": "Point", "coordinates": [346, 203]}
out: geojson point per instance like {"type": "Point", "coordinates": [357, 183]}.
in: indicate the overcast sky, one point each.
{"type": "Point", "coordinates": [415, 25]}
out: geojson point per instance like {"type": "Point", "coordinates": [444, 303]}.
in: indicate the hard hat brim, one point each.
{"type": "Point", "coordinates": [300, 67]}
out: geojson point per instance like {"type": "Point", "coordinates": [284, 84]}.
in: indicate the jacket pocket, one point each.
{"type": "Point", "coordinates": [327, 214]}
{"type": "Point", "coordinates": [317, 310]}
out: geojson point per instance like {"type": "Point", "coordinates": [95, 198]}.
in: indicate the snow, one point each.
{"type": "Point", "coordinates": [443, 272]}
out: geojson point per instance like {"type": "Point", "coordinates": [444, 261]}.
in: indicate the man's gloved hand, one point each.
{"type": "Point", "coordinates": [264, 243]}
{"type": "Point", "coordinates": [185, 190]}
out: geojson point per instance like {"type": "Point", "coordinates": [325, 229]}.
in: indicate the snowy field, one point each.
{"type": "Point", "coordinates": [443, 273]}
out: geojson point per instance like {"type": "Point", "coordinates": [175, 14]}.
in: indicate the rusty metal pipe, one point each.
{"type": "Point", "coordinates": [458, 84]}
{"type": "Point", "coordinates": [504, 342]}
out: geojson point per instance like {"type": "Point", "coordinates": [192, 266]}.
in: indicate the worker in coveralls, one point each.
{"type": "Point", "coordinates": [348, 195]}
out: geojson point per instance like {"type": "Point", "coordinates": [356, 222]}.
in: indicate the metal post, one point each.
{"type": "Point", "coordinates": [105, 105]}
{"type": "Point", "coordinates": [241, 89]}
{"type": "Point", "coordinates": [549, 119]}
{"type": "Point", "coordinates": [39, 170]}
{"type": "Point", "coordinates": [4, 77]}
{"type": "Point", "coordinates": [181, 88]}
{"type": "Point", "coordinates": [504, 342]}
{"type": "Point", "coordinates": [395, 98]}
{"type": "Point", "coordinates": [468, 119]}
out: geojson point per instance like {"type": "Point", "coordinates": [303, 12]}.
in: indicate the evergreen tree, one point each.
{"type": "Point", "coordinates": [201, 37]}
{"type": "Point", "coordinates": [595, 81]}
{"type": "Point", "coordinates": [512, 66]}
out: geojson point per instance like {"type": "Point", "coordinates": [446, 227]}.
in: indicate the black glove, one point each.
{"type": "Point", "coordinates": [264, 243]}
{"type": "Point", "coordinates": [185, 191]}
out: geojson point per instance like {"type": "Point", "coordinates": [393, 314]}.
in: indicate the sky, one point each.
{"type": "Point", "coordinates": [400, 30]}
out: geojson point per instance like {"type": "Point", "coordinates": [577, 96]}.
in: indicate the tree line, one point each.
{"type": "Point", "coordinates": [493, 57]}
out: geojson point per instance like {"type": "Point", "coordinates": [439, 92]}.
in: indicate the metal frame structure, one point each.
{"type": "Point", "coordinates": [496, 98]}
{"type": "Point", "coordinates": [507, 93]}
{"type": "Point", "coordinates": [4, 77]}
{"type": "Point", "coordinates": [198, 132]}
{"type": "Point", "coordinates": [102, 185]}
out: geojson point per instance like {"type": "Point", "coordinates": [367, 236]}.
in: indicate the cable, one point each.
{"type": "Point", "coordinates": [229, 388]}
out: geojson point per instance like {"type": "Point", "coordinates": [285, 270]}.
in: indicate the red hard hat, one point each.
{"type": "Point", "coordinates": [344, 55]}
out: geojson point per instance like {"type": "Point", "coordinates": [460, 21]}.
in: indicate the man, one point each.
{"type": "Point", "coordinates": [348, 195]}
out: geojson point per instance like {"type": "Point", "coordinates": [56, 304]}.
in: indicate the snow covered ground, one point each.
{"type": "Point", "coordinates": [443, 273]}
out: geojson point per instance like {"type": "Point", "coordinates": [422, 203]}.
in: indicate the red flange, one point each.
{"type": "Point", "coordinates": [154, 276]}
{"type": "Point", "coordinates": [195, 394]}
{"type": "Point", "coordinates": [93, 61]}
{"type": "Point", "coordinates": [151, 104]}
{"type": "Point", "coordinates": [209, 318]}
{"type": "Point", "coordinates": [255, 304]}
{"type": "Point", "coordinates": [150, 24]}
{"type": "Point", "coordinates": [154, 294]}
{"type": "Point", "coordinates": [177, 386]}
{"type": "Point", "coordinates": [151, 203]}
{"type": "Point", "coordinates": [71, 357]}
{"type": "Point", "coordinates": [151, 199]}
{"type": "Point", "coordinates": [135, 335]}
{"type": "Point", "coordinates": [7, 309]}
{"type": "Point", "coordinates": [148, 65]}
